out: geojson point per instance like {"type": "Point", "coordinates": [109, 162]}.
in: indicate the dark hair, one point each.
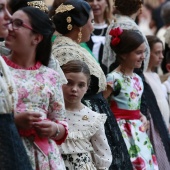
{"type": "Point", "coordinates": [165, 13]}
{"type": "Point", "coordinates": [15, 5]}
{"type": "Point", "coordinates": [55, 5]}
{"type": "Point", "coordinates": [79, 16]}
{"type": "Point", "coordinates": [41, 24]}
{"type": "Point", "coordinates": [152, 40]}
{"type": "Point", "coordinates": [129, 41]}
{"type": "Point", "coordinates": [128, 7]}
{"type": "Point", "coordinates": [77, 66]}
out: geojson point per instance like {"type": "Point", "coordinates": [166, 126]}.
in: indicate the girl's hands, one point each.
{"type": "Point", "coordinates": [26, 120]}
{"type": "Point", "coordinates": [45, 128]}
{"type": "Point", "coordinates": [144, 121]}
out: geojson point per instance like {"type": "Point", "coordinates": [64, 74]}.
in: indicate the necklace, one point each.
{"type": "Point", "coordinates": [100, 26]}
{"type": "Point", "coordinates": [102, 31]}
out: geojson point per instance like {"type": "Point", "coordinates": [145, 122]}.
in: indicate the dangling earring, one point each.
{"type": "Point", "coordinates": [140, 9]}
{"type": "Point", "coordinates": [79, 36]}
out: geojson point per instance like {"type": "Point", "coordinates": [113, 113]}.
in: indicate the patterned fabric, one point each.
{"type": "Point", "coordinates": [12, 152]}
{"type": "Point", "coordinates": [124, 22]}
{"type": "Point", "coordinates": [40, 91]}
{"type": "Point", "coordinates": [7, 99]}
{"type": "Point", "coordinates": [65, 49]}
{"type": "Point", "coordinates": [158, 146]}
{"type": "Point", "coordinates": [127, 91]}
{"type": "Point", "coordinates": [80, 161]}
{"type": "Point", "coordinates": [87, 135]}
{"type": "Point", "coordinates": [121, 159]}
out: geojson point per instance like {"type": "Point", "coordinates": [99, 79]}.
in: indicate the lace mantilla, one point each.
{"type": "Point", "coordinates": [123, 22]}
{"type": "Point", "coordinates": [167, 36]}
{"type": "Point", "coordinates": [65, 50]}
{"type": "Point", "coordinates": [7, 88]}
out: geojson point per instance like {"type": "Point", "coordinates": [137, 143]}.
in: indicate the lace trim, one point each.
{"type": "Point", "coordinates": [65, 50]}
{"type": "Point", "coordinates": [124, 22]}
{"type": "Point", "coordinates": [84, 134]}
{"type": "Point", "coordinates": [13, 65]}
{"type": "Point", "coordinates": [6, 81]}
{"type": "Point", "coordinates": [167, 36]}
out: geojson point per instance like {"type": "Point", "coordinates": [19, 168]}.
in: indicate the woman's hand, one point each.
{"type": "Point", "coordinates": [145, 122]}
{"type": "Point", "coordinates": [45, 128]}
{"type": "Point", "coordinates": [26, 120]}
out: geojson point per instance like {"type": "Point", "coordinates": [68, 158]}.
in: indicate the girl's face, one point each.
{"type": "Point", "coordinates": [87, 29]}
{"type": "Point", "coordinates": [20, 32]}
{"type": "Point", "coordinates": [156, 55]}
{"type": "Point", "coordinates": [98, 7]}
{"type": "Point", "coordinates": [75, 89]}
{"type": "Point", "coordinates": [135, 58]}
{"type": "Point", "coordinates": [4, 19]}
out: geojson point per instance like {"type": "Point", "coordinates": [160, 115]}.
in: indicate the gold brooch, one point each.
{"type": "Point", "coordinates": [85, 117]}
{"type": "Point", "coordinates": [38, 4]}
{"type": "Point", "coordinates": [62, 8]}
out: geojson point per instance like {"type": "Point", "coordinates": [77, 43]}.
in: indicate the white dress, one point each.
{"type": "Point", "coordinates": [86, 146]}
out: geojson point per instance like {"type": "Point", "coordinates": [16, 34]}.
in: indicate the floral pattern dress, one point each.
{"type": "Point", "coordinates": [86, 147]}
{"type": "Point", "coordinates": [40, 91]}
{"type": "Point", "coordinates": [127, 91]}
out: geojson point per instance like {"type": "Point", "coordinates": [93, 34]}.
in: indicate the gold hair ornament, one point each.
{"type": "Point", "coordinates": [69, 27]}
{"type": "Point", "coordinates": [62, 8]}
{"type": "Point", "coordinates": [68, 19]}
{"type": "Point", "coordinates": [38, 4]}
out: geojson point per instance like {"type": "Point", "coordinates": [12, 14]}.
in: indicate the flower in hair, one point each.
{"type": "Point", "coordinates": [115, 35]}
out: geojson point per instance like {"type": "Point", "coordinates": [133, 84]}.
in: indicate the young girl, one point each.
{"type": "Point", "coordinates": [125, 89]}
{"type": "Point", "coordinates": [153, 79]}
{"type": "Point", "coordinates": [86, 142]}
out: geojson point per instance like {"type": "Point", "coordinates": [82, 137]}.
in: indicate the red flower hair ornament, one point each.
{"type": "Point", "coordinates": [115, 35]}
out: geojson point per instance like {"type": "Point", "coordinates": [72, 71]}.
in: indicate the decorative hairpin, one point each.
{"type": "Point", "coordinates": [38, 4]}
{"type": "Point", "coordinates": [115, 35]}
{"type": "Point", "coordinates": [62, 8]}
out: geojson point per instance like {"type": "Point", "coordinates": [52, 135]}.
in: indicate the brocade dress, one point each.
{"type": "Point", "coordinates": [125, 104]}
{"type": "Point", "coordinates": [39, 90]}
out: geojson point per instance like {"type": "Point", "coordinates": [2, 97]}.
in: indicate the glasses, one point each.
{"type": "Point", "coordinates": [17, 23]}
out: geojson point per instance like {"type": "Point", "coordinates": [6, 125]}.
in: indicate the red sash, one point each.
{"type": "Point", "coordinates": [123, 113]}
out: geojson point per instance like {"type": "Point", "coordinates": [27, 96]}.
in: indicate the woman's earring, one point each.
{"type": "Point", "coordinates": [79, 36]}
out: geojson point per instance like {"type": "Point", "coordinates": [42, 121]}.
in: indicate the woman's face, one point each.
{"type": "Point", "coordinates": [87, 29]}
{"type": "Point", "coordinates": [98, 7]}
{"type": "Point", "coordinates": [4, 19]}
{"type": "Point", "coordinates": [20, 32]}
{"type": "Point", "coordinates": [156, 55]}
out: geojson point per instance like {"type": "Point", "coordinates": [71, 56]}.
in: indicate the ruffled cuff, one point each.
{"type": "Point", "coordinates": [65, 124]}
